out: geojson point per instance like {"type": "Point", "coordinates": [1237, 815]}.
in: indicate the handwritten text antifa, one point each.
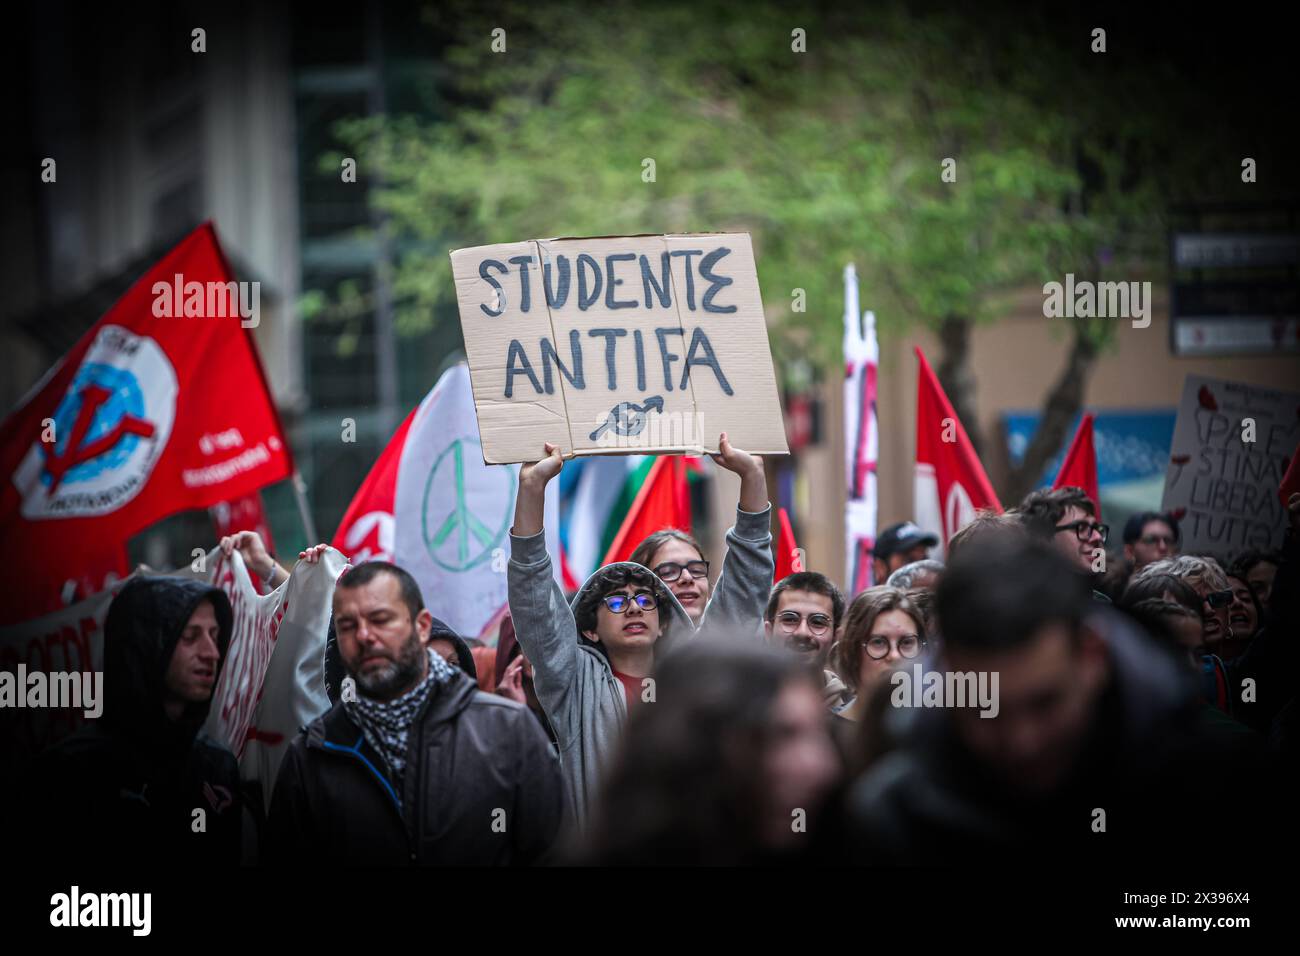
{"type": "Point", "coordinates": [594, 278]}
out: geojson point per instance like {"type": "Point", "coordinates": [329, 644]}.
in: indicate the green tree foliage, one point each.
{"type": "Point", "coordinates": [828, 156]}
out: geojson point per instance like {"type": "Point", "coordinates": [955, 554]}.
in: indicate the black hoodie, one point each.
{"type": "Point", "coordinates": [126, 787]}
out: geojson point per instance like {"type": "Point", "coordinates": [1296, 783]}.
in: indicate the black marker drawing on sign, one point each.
{"type": "Point", "coordinates": [628, 418]}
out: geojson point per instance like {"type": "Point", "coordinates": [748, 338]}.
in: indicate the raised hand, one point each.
{"type": "Point", "coordinates": [753, 479]}
{"type": "Point", "coordinates": [530, 501]}
{"type": "Point", "coordinates": [250, 546]}
{"type": "Point", "coordinates": [734, 459]}
{"type": "Point", "coordinates": [541, 472]}
{"type": "Point", "coordinates": [313, 554]}
{"type": "Point", "coordinates": [512, 682]}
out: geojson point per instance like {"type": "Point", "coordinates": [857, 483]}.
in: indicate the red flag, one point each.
{"type": "Point", "coordinates": [1079, 469]}
{"type": "Point", "coordinates": [787, 552]}
{"type": "Point", "coordinates": [663, 502]}
{"type": "Point", "coordinates": [366, 532]}
{"type": "Point", "coordinates": [160, 407]}
{"type": "Point", "coordinates": [950, 481]}
{"type": "Point", "coordinates": [1291, 480]}
{"type": "Point", "coordinates": [242, 514]}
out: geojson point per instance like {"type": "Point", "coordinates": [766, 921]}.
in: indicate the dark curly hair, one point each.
{"type": "Point", "coordinates": [1042, 510]}
{"type": "Point", "coordinates": [608, 580]}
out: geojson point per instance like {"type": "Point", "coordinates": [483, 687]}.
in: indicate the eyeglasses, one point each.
{"type": "Point", "coordinates": [1218, 599]}
{"type": "Point", "coordinates": [818, 624]}
{"type": "Point", "coordinates": [670, 571]}
{"type": "Point", "coordinates": [1150, 539]}
{"type": "Point", "coordinates": [878, 647]}
{"type": "Point", "coordinates": [1083, 529]}
{"type": "Point", "coordinates": [619, 603]}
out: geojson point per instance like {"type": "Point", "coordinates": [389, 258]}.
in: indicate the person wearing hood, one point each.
{"type": "Point", "coordinates": [1093, 750]}
{"type": "Point", "coordinates": [414, 764]}
{"type": "Point", "coordinates": [143, 783]}
{"type": "Point", "coordinates": [593, 658]}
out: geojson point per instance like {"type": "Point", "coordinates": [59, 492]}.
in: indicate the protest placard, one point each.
{"type": "Point", "coordinates": [617, 345]}
{"type": "Point", "coordinates": [1231, 446]}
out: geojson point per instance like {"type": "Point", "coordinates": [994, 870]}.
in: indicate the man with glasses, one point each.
{"type": "Point", "coordinates": [1150, 536]}
{"type": "Point", "coordinates": [803, 615]}
{"type": "Point", "coordinates": [1066, 519]}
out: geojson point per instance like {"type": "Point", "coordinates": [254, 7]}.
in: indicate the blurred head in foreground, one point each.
{"type": "Point", "coordinates": [1016, 609]}
{"type": "Point", "coordinates": [730, 765]}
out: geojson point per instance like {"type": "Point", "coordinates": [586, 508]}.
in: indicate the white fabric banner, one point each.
{"type": "Point", "coordinates": [272, 681]}
{"type": "Point", "coordinates": [861, 437]}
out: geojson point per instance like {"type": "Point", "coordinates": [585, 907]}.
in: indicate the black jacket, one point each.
{"type": "Point", "coordinates": [125, 788]}
{"type": "Point", "coordinates": [481, 787]}
{"type": "Point", "coordinates": [1149, 763]}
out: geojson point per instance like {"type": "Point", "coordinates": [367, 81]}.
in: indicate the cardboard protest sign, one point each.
{"type": "Point", "coordinates": [633, 344]}
{"type": "Point", "coordinates": [1231, 446]}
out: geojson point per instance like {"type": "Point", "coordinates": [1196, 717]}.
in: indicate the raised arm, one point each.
{"type": "Point", "coordinates": [743, 586]}
{"type": "Point", "coordinates": [544, 625]}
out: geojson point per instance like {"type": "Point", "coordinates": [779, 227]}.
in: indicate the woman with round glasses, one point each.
{"type": "Point", "coordinates": [882, 630]}
{"type": "Point", "coordinates": [593, 658]}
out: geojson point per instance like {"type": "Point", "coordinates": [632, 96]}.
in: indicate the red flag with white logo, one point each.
{"type": "Point", "coordinates": [366, 531]}
{"type": "Point", "coordinates": [1079, 469]}
{"type": "Point", "coordinates": [160, 407]}
{"type": "Point", "coordinates": [950, 481]}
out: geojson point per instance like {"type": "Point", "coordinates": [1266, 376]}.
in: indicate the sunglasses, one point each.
{"type": "Point", "coordinates": [670, 571]}
{"type": "Point", "coordinates": [1219, 599]}
{"type": "Point", "coordinates": [619, 603]}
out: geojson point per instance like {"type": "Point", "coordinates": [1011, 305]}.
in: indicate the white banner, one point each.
{"type": "Point", "coordinates": [272, 680]}
{"type": "Point", "coordinates": [861, 437]}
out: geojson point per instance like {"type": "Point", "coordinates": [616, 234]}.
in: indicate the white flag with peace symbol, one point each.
{"type": "Point", "coordinates": [453, 513]}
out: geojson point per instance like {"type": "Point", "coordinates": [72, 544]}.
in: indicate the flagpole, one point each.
{"type": "Point", "coordinates": [300, 495]}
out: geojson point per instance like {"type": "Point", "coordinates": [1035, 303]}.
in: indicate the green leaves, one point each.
{"type": "Point", "coordinates": [827, 156]}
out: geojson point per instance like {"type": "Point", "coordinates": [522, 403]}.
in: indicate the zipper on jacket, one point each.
{"type": "Point", "coordinates": [355, 751]}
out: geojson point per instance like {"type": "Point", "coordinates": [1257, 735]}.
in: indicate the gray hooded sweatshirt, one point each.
{"type": "Point", "coordinates": [584, 702]}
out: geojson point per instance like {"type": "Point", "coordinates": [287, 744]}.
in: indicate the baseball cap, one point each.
{"type": "Point", "coordinates": [901, 537]}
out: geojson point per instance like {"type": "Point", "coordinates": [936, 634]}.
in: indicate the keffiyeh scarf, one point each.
{"type": "Point", "coordinates": [386, 724]}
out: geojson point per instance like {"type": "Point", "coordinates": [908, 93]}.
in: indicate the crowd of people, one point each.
{"type": "Point", "coordinates": [1144, 703]}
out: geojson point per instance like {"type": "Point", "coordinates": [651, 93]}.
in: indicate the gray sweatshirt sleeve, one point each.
{"type": "Point", "coordinates": [546, 632]}
{"type": "Point", "coordinates": [740, 596]}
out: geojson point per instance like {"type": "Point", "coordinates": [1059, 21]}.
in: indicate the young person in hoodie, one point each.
{"type": "Point", "coordinates": [592, 658]}
{"type": "Point", "coordinates": [125, 788]}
